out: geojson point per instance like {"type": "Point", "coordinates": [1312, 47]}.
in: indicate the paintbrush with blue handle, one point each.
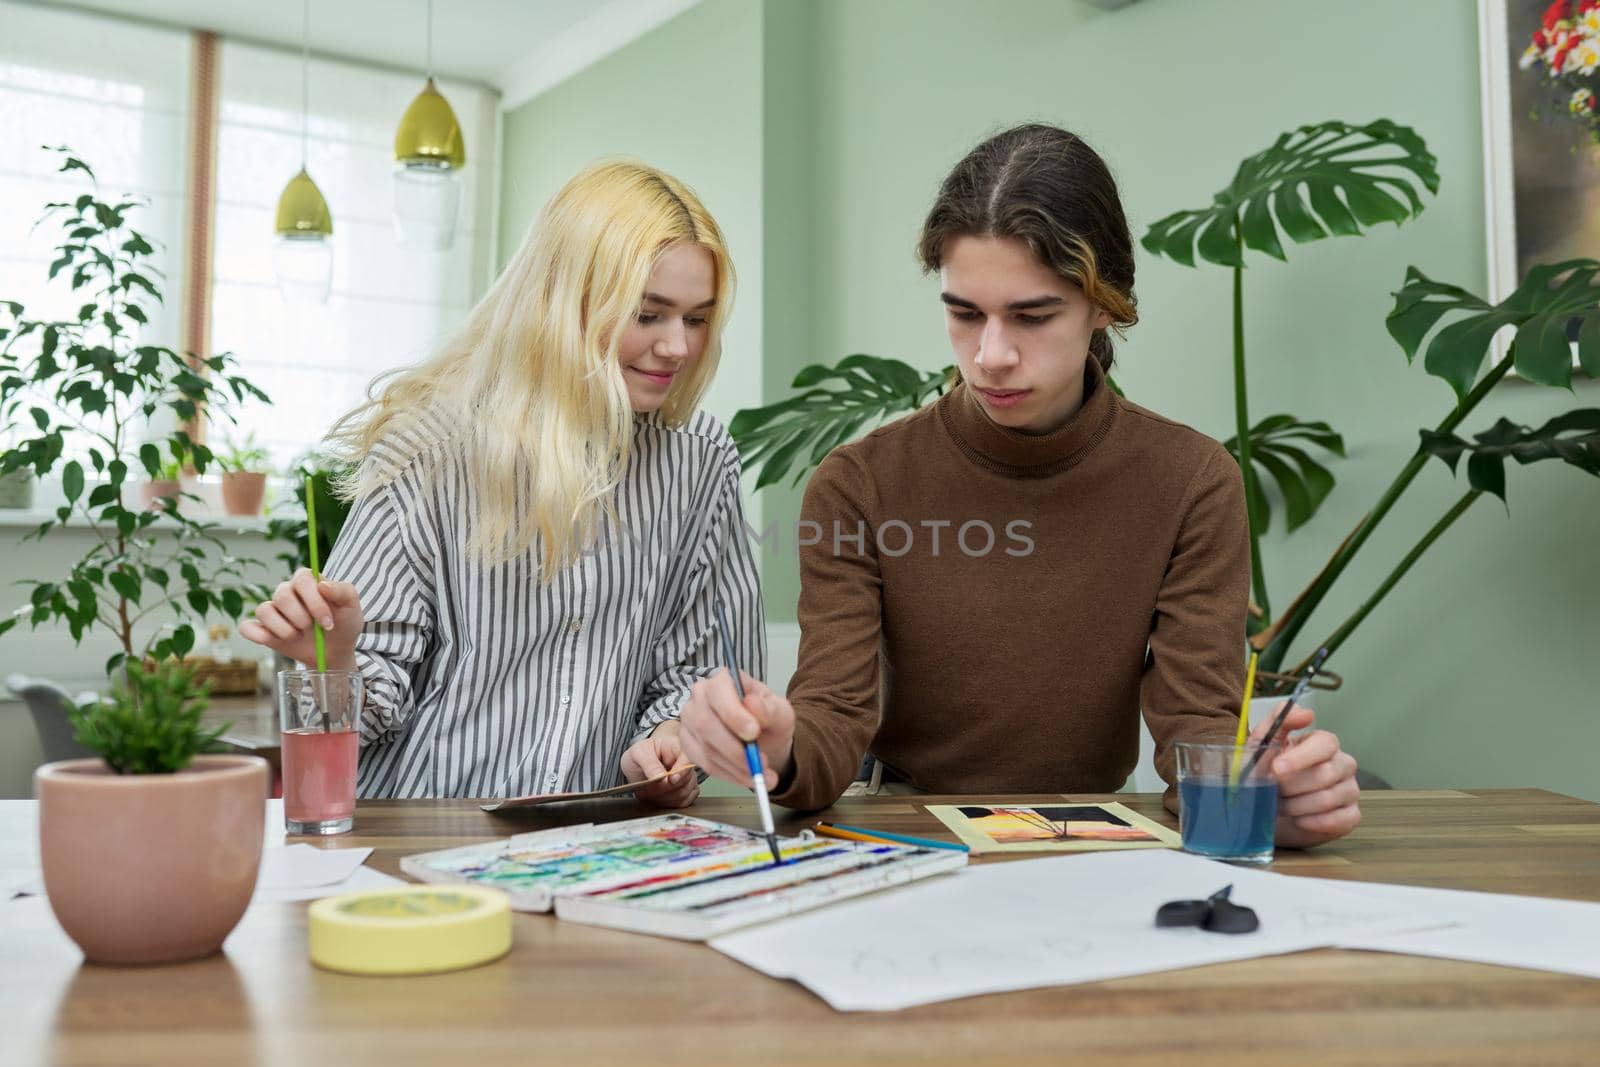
{"type": "Point", "coordinates": [752, 754]}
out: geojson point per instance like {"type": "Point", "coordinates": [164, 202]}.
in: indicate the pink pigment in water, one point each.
{"type": "Point", "coordinates": [319, 775]}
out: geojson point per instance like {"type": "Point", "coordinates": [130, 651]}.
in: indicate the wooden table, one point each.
{"type": "Point", "coordinates": [574, 995]}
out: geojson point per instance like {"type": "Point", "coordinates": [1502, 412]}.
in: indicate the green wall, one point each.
{"type": "Point", "coordinates": [1475, 671]}
{"type": "Point", "coordinates": [798, 295]}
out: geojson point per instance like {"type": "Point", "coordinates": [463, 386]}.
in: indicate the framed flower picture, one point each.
{"type": "Point", "coordinates": [1541, 135]}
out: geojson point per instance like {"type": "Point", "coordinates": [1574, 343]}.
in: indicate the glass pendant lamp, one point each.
{"type": "Point", "coordinates": [302, 254]}
{"type": "Point", "coordinates": [429, 154]}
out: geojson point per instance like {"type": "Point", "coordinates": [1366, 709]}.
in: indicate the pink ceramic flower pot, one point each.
{"type": "Point", "coordinates": [243, 491]}
{"type": "Point", "coordinates": [151, 868]}
{"type": "Point", "coordinates": [153, 495]}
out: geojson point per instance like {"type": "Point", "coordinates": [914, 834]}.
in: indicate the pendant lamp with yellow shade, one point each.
{"type": "Point", "coordinates": [429, 154]}
{"type": "Point", "coordinates": [302, 255]}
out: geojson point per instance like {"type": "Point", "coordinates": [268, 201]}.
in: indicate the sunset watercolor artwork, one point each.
{"type": "Point", "coordinates": [1062, 827]}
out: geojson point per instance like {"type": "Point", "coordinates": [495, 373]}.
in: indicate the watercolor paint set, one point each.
{"type": "Point", "coordinates": [676, 876]}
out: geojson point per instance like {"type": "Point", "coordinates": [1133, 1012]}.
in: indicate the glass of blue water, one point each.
{"type": "Point", "coordinates": [1224, 814]}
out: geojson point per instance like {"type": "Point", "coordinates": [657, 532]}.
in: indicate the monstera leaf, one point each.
{"type": "Point", "coordinates": [1277, 448]}
{"type": "Point", "coordinates": [1572, 438]}
{"type": "Point", "coordinates": [837, 403]}
{"type": "Point", "coordinates": [1543, 308]}
{"type": "Point", "coordinates": [1330, 178]}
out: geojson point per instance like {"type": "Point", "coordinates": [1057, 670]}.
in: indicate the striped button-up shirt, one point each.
{"type": "Point", "coordinates": [483, 681]}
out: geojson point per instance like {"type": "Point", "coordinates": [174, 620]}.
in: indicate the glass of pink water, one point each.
{"type": "Point", "coordinates": [319, 712]}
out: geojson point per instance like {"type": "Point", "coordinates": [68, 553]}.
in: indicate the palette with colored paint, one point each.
{"type": "Point", "coordinates": [675, 875]}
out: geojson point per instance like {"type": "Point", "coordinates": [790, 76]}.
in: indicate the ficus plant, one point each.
{"type": "Point", "coordinates": [1323, 180]}
{"type": "Point", "coordinates": [86, 398]}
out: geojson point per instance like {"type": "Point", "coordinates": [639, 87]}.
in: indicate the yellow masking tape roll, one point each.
{"type": "Point", "coordinates": [417, 929]}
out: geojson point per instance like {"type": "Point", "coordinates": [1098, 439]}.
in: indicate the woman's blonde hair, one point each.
{"type": "Point", "coordinates": [531, 384]}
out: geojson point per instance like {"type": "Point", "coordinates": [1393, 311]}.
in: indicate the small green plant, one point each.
{"type": "Point", "coordinates": [244, 456]}
{"type": "Point", "coordinates": [165, 470]}
{"type": "Point", "coordinates": [150, 724]}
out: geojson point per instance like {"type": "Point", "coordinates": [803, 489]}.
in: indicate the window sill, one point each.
{"type": "Point", "coordinates": [30, 518]}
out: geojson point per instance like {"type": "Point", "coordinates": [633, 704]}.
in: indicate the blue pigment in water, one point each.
{"type": "Point", "coordinates": [1228, 823]}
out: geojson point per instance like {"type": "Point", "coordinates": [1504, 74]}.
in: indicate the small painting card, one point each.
{"type": "Point", "coordinates": [535, 799]}
{"type": "Point", "coordinates": [1052, 827]}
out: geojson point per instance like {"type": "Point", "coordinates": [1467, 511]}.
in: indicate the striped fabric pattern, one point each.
{"type": "Point", "coordinates": [483, 682]}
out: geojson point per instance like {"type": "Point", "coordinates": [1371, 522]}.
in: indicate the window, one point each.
{"type": "Point", "coordinates": [117, 94]}
{"type": "Point", "coordinates": [389, 305]}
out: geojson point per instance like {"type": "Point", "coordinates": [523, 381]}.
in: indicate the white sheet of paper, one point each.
{"type": "Point", "coordinates": [305, 867]}
{"type": "Point", "coordinates": [1513, 931]}
{"type": "Point", "coordinates": [360, 878]}
{"type": "Point", "coordinates": [19, 847]}
{"type": "Point", "coordinates": [17, 886]}
{"type": "Point", "coordinates": [274, 834]}
{"type": "Point", "coordinates": [1057, 921]}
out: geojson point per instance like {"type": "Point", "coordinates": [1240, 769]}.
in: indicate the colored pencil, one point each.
{"type": "Point", "coordinates": [1244, 720]}
{"type": "Point", "coordinates": [856, 833]}
{"type": "Point", "coordinates": [1295, 697]}
{"type": "Point", "coordinates": [824, 830]}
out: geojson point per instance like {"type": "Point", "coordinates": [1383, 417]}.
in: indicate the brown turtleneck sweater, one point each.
{"type": "Point", "coordinates": [987, 611]}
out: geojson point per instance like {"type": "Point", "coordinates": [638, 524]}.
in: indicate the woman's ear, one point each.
{"type": "Point", "coordinates": [1101, 319]}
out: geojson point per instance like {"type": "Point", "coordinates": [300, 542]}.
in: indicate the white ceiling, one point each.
{"type": "Point", "coordinates": [514, 45]}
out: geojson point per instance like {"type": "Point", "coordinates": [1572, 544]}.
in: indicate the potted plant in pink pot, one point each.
{"type": "Point", "coordinates": [163, 487]}
{"type": "Point", "coordinates": [150, 853]}
{"type": "Point", "coordinates": [244, 476]}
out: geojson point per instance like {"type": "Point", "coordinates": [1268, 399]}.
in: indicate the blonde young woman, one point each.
{"type": "Point", "coordinates": [543, 518]}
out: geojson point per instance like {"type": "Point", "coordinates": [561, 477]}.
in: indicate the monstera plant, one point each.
{"type": "Point", "coordinates": [1542, 310]}
{"type": "Point", "coordinates": [858, 392]}
{"type": "Point", "coordinates": [1323, 180]}
{"type": "Point", "coordinates": [1319, 181]}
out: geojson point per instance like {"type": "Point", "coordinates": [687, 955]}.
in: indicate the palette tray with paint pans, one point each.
{"type": "Point", "coordinates": [676, 876]}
